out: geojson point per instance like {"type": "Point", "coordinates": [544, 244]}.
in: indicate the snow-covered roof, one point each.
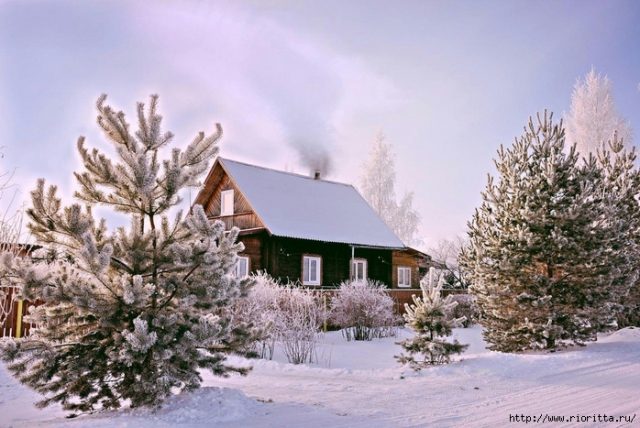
{"type": "Point", "coordinates": [297, 206]}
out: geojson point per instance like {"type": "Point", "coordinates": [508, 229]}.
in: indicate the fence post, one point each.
{"type": "Point", "coordinates": [19, 319]}
{"type": "Point", "coordinates": [326, 311]}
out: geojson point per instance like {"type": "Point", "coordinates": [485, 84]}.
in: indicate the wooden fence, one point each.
{"type": "Point", "coordinates": [399, 296]}
{"type": "Point", "coordinates": [16, 326]}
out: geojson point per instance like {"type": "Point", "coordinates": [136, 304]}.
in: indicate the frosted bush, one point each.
{"type": "Point", "coordinates": [466, 308]}
{"type": "Point", "coordinates": [283, 315]}
{"type": "Point", "coordinates": [258, 309]}
{"type": "Point", "coordinates": [364, 310]}
{"type": "Point", "coordinates": [298, 320]}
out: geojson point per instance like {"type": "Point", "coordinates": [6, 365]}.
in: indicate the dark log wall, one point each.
{"type": "Point", "coordinates": [254, 250]}
{"type": "Point", "coordinates": [282, 258]}
{"type": "Point", "coordinates": [285, 260]}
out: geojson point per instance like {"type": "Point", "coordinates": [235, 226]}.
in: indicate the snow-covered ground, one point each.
{"type": "Point", "coordinates": [357, 384]}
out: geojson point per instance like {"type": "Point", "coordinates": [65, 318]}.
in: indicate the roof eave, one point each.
{"type": "Point", "coordinates": [354, 244]}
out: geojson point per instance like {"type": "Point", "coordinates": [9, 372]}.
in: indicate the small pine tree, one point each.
{"type": "Point", "coordinates": [131, 316]}
{"type": "Point", "coordinates": [431, 319]}
{"type": "Point", "coordinates": [540, 256]}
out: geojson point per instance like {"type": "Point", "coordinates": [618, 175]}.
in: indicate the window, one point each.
{"type": "Point", "coordinates": [359, 269]}
{"type": "Point", "coordinates": [226, 202]}
{"type": "Point", "coordinates": [311, 270]}
{"type": "Point", "coordinates": [404, 277]}
{"type": "Point", "coordinates": [242, 266]}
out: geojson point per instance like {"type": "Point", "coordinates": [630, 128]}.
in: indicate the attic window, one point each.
{"type": "Point", "coordinates": [311, 270]}
{"type": "Point", "coordinates": [226, 202]}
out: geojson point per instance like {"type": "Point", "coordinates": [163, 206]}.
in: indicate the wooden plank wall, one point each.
{"type": "Point", "coordinates": [400, 258]}
{"type": "Point", "coordinates": [209, 197]}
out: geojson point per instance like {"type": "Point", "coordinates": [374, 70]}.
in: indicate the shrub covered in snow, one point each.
{"type": "Point", "coordinates": [284, 315]}
{"type": "Point", "coordinates": [430, 318]}
{"type": "Point", "coordinates": [363, 310]}
{"type": "Point", "coordinates": [259, 309]}
{"type": "Point", "coordinates": [299, 316]}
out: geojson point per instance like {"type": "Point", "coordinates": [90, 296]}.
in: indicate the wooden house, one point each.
{"type": "Point", "coordinates": [306, 229]}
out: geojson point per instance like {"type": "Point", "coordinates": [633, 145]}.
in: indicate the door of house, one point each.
{"type": "Point", "coordinates": [359, 270]}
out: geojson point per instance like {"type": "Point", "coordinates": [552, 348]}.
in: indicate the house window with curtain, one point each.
{"type": "Point", "coordinates": [311, 270]}
{"type": "Point", "coordinates": [404, 277]}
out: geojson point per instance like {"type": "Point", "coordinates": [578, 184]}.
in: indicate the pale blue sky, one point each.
{"type": "Point", "coordinates": [447, 81]}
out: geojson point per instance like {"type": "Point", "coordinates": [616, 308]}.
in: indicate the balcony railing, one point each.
{"type": "Point", "coordinates": [242, 221]}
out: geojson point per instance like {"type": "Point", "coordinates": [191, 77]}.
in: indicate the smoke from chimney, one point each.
{"type": "Point", "coordinates": [316, 158]}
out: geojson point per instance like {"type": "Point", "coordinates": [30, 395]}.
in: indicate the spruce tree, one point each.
{"type": "Point", "coordinates": [430, 317]}
{"type": "Point", "coordinates": [129, 316]}
{"type": "Point", "coordinates": [538, 258]}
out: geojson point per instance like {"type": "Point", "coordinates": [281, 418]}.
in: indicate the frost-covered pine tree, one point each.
{"type": "Point", "coordinates": [539, 259]}
{"type": "Point", "coordinates": [127, 317]}
{"type": "Point", "coordinates": [593, 118]}
{"type": "Point", "coordinates": [430, 317]}
{"type": "Point", "coordinates": [620, 189]}
{"type": "Point", "coordinates": [378, 183]}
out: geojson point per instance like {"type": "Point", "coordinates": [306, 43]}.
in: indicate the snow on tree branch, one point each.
{"type": "Point", "coordinates": [132, 315]}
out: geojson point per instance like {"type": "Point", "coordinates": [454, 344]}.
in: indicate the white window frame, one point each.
{"type": "Point", "coordinates": [226, 208]}
{"type": "Point", "coordinates": [238, 268]}
{"type": "Point", "coordinates": [306, 270]}
{"type": "Point", "coordinates": [354, 269]}
{"type": "Point", "coordinates": [404, 272]}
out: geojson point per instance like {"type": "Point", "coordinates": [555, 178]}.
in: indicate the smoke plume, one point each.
{"type": "Point", "coordinates": [315, 157]}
